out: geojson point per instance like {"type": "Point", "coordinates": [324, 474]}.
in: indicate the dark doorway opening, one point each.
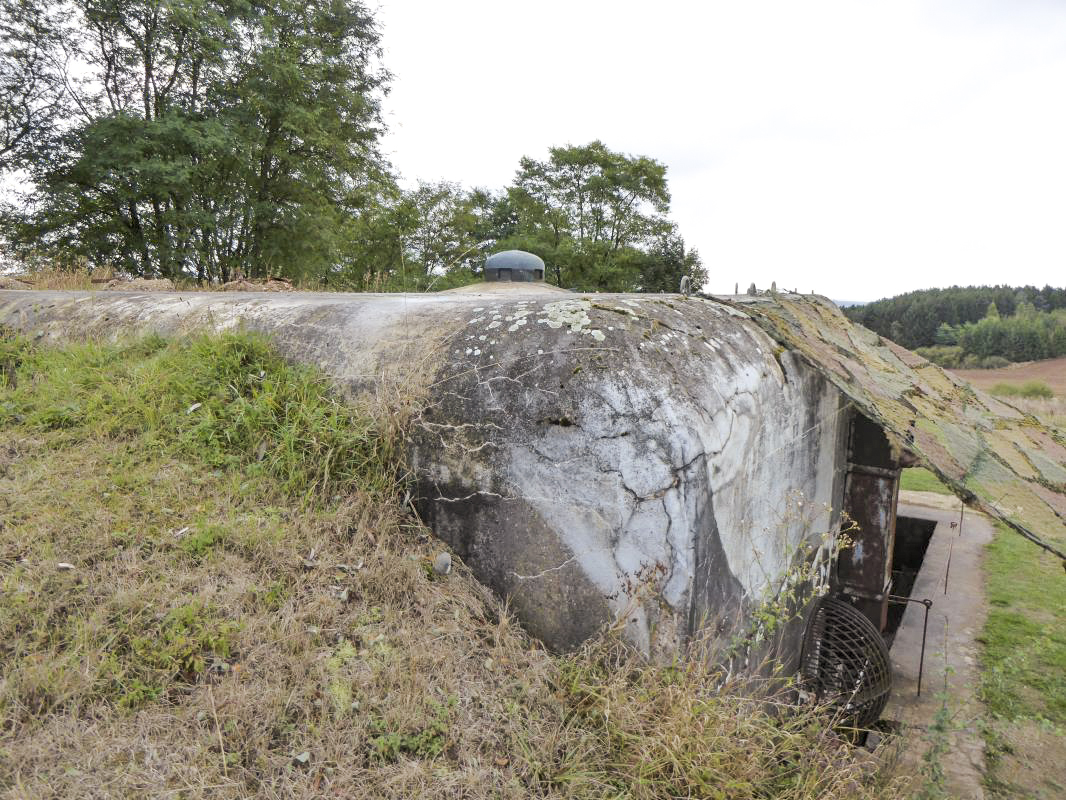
{"type": "Point", "coordinates": [912, 540]}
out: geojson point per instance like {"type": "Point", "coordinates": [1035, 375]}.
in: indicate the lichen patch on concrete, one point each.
{"type": "Point", "coordinates": [569, 313]}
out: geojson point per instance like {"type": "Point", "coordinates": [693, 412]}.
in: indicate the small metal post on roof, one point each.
{"type": "Point", "coordinates": [514, 265]}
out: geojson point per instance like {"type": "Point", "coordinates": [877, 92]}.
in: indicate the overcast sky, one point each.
{"type": "Point", "coordinates": [859, 149]}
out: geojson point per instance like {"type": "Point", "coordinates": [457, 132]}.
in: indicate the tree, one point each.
{"type": "Point", "coordinates": [429, 237]}
{"type": "Point", "coordinates": [946, 335]}
{"type": "Point", "coordinates": [597, 217]}
{"type": "Point", "coordinates": [668, 260]}
{"type": "Point", "coordinates": [441, 232]}
{"type": "Point", "coordinates": [214, 137]}
{"type": "Point", "coordinates": [34, 49]}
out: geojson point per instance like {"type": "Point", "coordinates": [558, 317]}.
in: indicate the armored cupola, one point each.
{"type": "Point", "coordinates": [514, 265]}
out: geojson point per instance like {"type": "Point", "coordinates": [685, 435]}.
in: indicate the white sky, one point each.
{"type": "Point", "coordinates": [860, 148]}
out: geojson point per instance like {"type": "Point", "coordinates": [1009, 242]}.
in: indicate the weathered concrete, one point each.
{"type": "Point", "coordinates": [652, 456]}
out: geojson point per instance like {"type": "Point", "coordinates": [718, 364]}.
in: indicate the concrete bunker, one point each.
{"type": "Point", "coordinates": [662, 462]}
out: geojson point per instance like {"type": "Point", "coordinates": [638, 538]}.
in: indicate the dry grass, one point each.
{"type": "Point", "coordinates": [235, 622]}
{"type": "Point", "coordinates": [45, 274]}
{"type": "Point", "coordinates": [67, 280]}
{"type": "Point", "coordinates": [1051, 373]}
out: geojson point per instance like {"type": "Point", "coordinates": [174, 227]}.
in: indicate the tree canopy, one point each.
{"type": "Point", "coordinates": [914, 319]}
{"type": "Point", "coordinates": [206, 139]}
{"type": "Point", "coordinates": [33, 93]}
{"type": "Point", "coordinates": [598, 218]}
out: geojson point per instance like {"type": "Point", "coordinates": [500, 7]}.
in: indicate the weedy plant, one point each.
{"type": "Point", "coordinates": [210, 586]}
{"type": "Point", "coordinates": [785, 595]}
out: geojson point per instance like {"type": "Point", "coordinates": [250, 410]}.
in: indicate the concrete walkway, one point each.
{"type": "Point", "coordinates": [951, 671]}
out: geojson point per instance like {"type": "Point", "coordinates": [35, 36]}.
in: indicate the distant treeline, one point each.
{"type": "Point", "coordinates": [974, 326]}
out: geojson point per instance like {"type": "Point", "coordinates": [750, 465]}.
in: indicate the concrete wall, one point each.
{"type": "Point", "coordinates": [589, 456]}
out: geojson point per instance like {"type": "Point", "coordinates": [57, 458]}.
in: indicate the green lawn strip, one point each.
{"type": "Point", "coordinates": [1023, 658]}
{"type": "Point", "coordinates": [1025, 635]}
{"type": "Point", "coordinates": [919, 479]}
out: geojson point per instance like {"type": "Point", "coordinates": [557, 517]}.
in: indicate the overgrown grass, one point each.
{"type": "Point", "coordinates": [919, 479]}
{"type": "Point", "coordinates": [1033, 390]}
{"type": "Point", "coordinates": [209, 587]}
{"type": "Point", "coordinates": [227, 401]}
{"type": "Point", "coordinates": [1023, 684]}
{"type": "Point", "coordinates": [1025, 635]}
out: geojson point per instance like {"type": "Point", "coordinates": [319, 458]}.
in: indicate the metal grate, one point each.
{"type": "Point", "coordinates": [845, 662]}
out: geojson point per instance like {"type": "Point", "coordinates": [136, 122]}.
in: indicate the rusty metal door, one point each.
{"type": "Point", "coordinates": [871, 488]}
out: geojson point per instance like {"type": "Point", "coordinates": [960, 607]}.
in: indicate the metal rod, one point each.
{"type": "Point", "coordinates": [925, 627]}
{"type": "Point", "coordinates": [947, 569]}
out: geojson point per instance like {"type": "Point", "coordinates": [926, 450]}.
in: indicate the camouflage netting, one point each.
{"type": "Point", "coordinates": [993, 456]}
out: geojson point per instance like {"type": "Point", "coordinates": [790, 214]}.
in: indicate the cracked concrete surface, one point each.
{"type": "Point", "coordinates": [666, 464]}
{"type": "Point", "coordinates": [653, 459]}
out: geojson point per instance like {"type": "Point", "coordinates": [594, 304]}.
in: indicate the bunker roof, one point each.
{"type": "Point", "coordinates": [993, 456]}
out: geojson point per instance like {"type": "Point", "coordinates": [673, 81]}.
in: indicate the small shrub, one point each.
{"type": "Point", "coordinates": [1033, 390]}
{"type": "Point", "coordinates": [994, 362]}
{"type": "Point", "coordinates": [946, 356]}
{"type": "Point", "coordinates": [175, 651]}
{"type": "Point", "coordinates": [202, 541]}
{"type": "Point", "coordinates": [1037, 390]}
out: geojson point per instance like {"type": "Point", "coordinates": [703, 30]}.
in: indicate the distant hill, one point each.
{"type": "Point", "coordinates": [913, 319]}
{"type": "Point", "coordinates": [849, 303]}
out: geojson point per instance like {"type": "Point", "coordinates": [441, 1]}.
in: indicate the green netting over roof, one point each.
{"type": "Point", "coordinates": [993, 456]}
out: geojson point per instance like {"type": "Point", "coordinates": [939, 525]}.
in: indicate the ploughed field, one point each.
{"type": "Point", "coordinates": [1052, 372]}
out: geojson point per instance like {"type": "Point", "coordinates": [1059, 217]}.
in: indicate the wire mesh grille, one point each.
{"type": "Point", "coordinates": [845, 662]}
